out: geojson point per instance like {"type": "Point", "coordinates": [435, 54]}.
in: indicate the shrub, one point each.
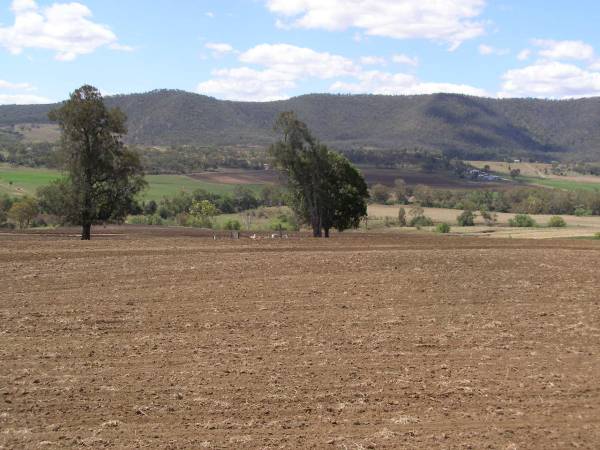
{"type": "Point", "coordinates": [23, 211]}
{"type": "Point", "coordinates": [466, 219]}
{"type": "Point", "coordinates": [489, 218]}
{"type": "Point", "coordinates": [232, 225]}
{"type": "Point", "coordinates": [442, 228]}
{"type": "Point", "coordinates": [421, 221]}
{"type": "Point", "coordinates": [581, 212]}
{"type": "Point", "coordinates": [522, 221]}
{"type": "Point", "coordinates": [557, 222]}
{"type": "Point", "coordinates": [597, 236]}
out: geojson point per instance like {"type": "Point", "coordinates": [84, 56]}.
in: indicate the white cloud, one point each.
{"type": "Point", "coordinates": [373, 61]}
{"type": "Point", "coordinates": [405, 59]}
{"type": "Point", "coordinates": [385, 83]}
{"type": "Point", "coordinates": [487, 50]}
{"type": "Point", "coordinates": [248, 84]}
{"type": "Point", "coordinates": [65, 28]}
{"type": "Point", "coordinates": [551, 79]}
{"type": "Point", "coordinates": [219, 48]}
{"type": "Point", "coordinates": [299, 61]}
{"type": "Point", "coordinates": [282, 67]}
{"type": "Point", "coordinates": [121, 47]}
{"type": "Point", "coordinates": [210, 14]}
{"type": "Point", "coordinates": [14, 97]}
{"type": "Point", "coordinates": [576, 50]}
{"type": "Point", "coordinates": [524, 55]}
{"type": "Point", "coordinates": [17, 86]}
{"type": "Point", "coordinates": [451, 21]}
{"type": "Point", "coordinates": [22, 99]}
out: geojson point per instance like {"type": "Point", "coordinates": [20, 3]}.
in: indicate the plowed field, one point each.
{"type": "Point", "coordinates": [161, 340]}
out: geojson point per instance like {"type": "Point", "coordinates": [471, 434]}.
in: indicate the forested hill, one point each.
{"type": "Point", "coordinates": [464, 126]}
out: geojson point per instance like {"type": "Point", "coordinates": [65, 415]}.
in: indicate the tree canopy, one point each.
{"type": "Point", "coordinates": [327, 191]}
{"type": "Point", "coordinates": [103, 176]}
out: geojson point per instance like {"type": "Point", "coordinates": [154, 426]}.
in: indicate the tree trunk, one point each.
{"type": "Point", "coordinates": [317, 231]}
{"type": "Point", "coordinates": [326, 232]}
{"type": "Point", "coordinates": [86, 232]}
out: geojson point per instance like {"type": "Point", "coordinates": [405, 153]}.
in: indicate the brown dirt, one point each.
{"type": "Point", "coordinates": [372, 175]}
{"type": "Point", "coordinates": [438, 180]}
{"type": "Point", "coordinates": [234, 176]}
{"type": "Point", "coordinates": [168, 340]}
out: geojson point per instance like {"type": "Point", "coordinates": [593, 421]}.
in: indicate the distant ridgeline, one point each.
{"type": "Point", "coordinates": [456, 125]}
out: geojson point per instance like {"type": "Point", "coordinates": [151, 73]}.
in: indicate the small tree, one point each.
{"type": "Point", "coordinates": [204, 211]}
{"type": "Point", "coordinates": [514, 173]}
{"type": "Point", "coordinates": [466, 219]}
{"type": "Point", "coordinates": [402, 217]}
{"type": "Point", "coordinates": [5, 204]}
{"type": "Point", "coordinates": [23, 212]}
{"type": "Point", "coordinates": [380, 193]}
{"type": "Point", "coordinates": [401, 191]}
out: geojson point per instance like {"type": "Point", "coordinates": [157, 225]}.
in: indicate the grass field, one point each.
{"type": "Point", "coordinates": [539, 174]}
{"type": "Point", "coordinates": [160, 186]}
{"type": "Point", "coordinates": [21, 181]}
{"type": "Point", "coordinates": [576, 226]}
{"type": "Point", "coordinates": [570, 184]}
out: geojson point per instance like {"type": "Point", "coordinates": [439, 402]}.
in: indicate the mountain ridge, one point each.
{"type": "Point", "coordinates": [458, 125]}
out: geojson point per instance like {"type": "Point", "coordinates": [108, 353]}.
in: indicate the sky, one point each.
{"type": "Point", "coordinates": [263, 50]}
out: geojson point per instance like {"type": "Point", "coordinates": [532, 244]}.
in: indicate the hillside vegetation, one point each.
{"type": "Point", "coordinates": [462, 126]}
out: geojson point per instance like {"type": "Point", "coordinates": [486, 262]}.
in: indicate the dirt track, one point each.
{"type": "Point", "coordinates": [357, 342]}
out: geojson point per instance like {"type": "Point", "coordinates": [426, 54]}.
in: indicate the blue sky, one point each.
{"type": "Point", "coordinates": [262, 50]}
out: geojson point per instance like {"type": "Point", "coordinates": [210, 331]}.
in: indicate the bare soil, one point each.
{"type": "Point", "coordinates": [158, 338]}
{"type": "Point", "coordinates": [372, 175]}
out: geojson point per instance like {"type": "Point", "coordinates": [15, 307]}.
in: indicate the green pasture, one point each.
{"type": "Point", "coordinates": [566, 185]}
{"type": "Point", "coordinates": [20, 181]}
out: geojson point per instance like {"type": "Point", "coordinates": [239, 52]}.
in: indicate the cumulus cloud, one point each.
{"type": "Point", "coordinates": [248, 84]}
{"type": "Point", "coordinates": [385, 83]}
{"type": "Point", "coordinates": [551, 79]}
{"type": "Point", "coordinates": [524, 55]}
{"type": "Point", "coordinates": [22, 99]}
{"type": "Point", "coordinates": [404, 59]}
{"type": "Point", "coordinates": [488, 50]}
{"type": "Point", "coordinates": [282, 67]}
{"type": "Point", "coordinates": [65, 28]}
{"type": "Point", "coordinates": [19, 98]}
{"type": "Point", "coordinates": [18, 86]}
{"type": "Point", "coordinates": [219, 49]}
{"type": "Point", "coordinates": [450, 21]}
{"type": "Point", "coordinates": [373, 61]}
{"type": "Point", "coordinates": [575, 50]}
{"type": "Point", "coordinates": [299, 61]}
